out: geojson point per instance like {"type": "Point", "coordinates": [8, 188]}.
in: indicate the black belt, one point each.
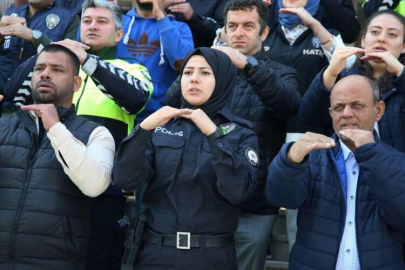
{"type": "Point", "coordinates": [184, 240]}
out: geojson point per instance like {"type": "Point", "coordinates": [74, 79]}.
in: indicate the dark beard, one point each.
{"type": "Point", "coordinates": [144, 6]}
{"type": "Point", "coordinates": [57, 97]}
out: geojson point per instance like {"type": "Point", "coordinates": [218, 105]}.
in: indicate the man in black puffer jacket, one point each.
{"type": "Point", "coordinates": [266, 93]}
{"type": "Point", "coordinates": [51, 163]}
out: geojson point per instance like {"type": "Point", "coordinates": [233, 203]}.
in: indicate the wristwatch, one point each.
{"type": "Point", "coordinates": [251, 64]}
{"type": "Point", "coordinates": [222, 130]}
{"type": "Point", "coordinates": [36, 34]}
{"type": "Point", "coordinates": [218, 133]}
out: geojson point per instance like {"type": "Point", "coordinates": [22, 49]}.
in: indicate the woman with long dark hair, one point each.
{"type": "Point", "coordinates": [383, 48]}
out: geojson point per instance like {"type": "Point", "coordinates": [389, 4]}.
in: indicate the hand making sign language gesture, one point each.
{"type": "Point", "coordinates": [163, 115]}
{"type": "Point", "coordinates": [15, 27]}
{"type": "Point", "coordinates": [308, 142]}
{"type": "Point", "coordinates": [337, 64]}
{"type": "Point", "coordinates": [180, 6]}
{"type": "Point", "coordinates": [393, 66]}
{"type": "Point", "coordinates": [47, 112]}
{"type": "Point", "coordinates": [324, 36]}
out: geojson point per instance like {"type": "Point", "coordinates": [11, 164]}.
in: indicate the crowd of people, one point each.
{"type": "Point", "coordinates": [214, 114]}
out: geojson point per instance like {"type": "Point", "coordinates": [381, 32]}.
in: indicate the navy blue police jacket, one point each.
{"type": "Point", "coordinates": [53, 21]}
{"type": "Point", "coordinates": [268, 97]}
{"type": "Point", "coordinates": [73, 5]}
{"type": "Point", "coordinates": [194, 182]}
{"type": "Point", "coordinates": [314, 187]}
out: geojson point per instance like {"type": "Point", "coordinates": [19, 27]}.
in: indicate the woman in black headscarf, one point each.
{"type": "Point", "coordinates": [199, 161]}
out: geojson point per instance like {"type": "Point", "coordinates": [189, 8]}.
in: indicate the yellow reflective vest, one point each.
{"type": "Point", "coordinates": [91, 101]}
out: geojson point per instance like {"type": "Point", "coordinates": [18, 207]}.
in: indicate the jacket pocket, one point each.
{"type": "Point", "coordinates": [69, 239]}
{"type": "Point", "coordinates": [168, 154]}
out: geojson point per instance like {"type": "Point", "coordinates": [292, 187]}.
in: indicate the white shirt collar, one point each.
{"type": "Point", "coordinates": [345, 149]}
{"type": "Point", "coordinates": [35, 118]}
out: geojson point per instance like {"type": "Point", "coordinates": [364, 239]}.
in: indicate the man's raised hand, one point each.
{"type": "Point", "coordinates": [47, 112]}
{"type": "Point", "coordinates": [308, 142]}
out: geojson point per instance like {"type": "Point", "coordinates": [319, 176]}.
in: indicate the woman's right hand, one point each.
{"type": "Point", "coordinates": [337, 64]}
{"type": "Point", "coordinates": [162, 116]}
{"type": "Point", "coordinates": [301, 12]}
{"type": "Point", "coordinates": [393, 66]}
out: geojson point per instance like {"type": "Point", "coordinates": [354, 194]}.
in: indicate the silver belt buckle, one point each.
{"type": "Point", "coordinates": [184, 234]}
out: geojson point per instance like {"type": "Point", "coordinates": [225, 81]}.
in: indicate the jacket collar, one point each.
{"type": "Point", "coordinates": [280, 32]}
{"type": "Point", "coordinates": [29, 122]}
{"type": "Point", "coordinates": [25, 8]}
{"type": "Point", "coordinates": [261, 55]}
{"type": "Point", "coordinates": [106, 53]}
{"type": "Point", "coordinates": [225, 112]}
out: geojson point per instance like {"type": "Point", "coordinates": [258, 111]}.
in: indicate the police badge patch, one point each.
{"type": "Point", "coordinates": [252, 156]}
{"type": "Point", "coordinates": [227, 128]}
{"type": "Point", "coordinates": [52, 20]}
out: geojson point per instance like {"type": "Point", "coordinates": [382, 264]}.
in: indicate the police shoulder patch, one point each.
{"type": "Point", "coordinates": [252, 156]}
{"type": "Point", "coordinates": [227, 128]}
{"type": "Point", "coordinates": [52, 20]}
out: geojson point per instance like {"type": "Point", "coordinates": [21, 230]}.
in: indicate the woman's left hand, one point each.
{"type": "Point", "coordinates": [393, 66]}
{"type": "Point", "coordinates": [301, 12]}
{"type": "Point", "coordinates": [202, 121]}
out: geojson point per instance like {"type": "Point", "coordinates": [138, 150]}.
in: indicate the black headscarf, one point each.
{"type": "Point", "coordinates": [225, 76]}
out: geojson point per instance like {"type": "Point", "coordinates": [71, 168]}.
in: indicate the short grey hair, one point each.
{"type": "Point", "coordinates": [116, 12]}
{"type": "Point", "coordinates": [376, 90]}
{"type": "Point", "coordinates": [373, 85]}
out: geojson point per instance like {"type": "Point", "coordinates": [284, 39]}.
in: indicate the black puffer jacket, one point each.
{"type": "Point", "coordinates": [44, 217]}
{"type": "Point", "coordinates": [208, 16]}
{"type": "Point", "coordinates": [268, 97]}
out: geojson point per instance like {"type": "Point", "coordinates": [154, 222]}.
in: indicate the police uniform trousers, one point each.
{"type": "Point", "coordinates": [158, 257]}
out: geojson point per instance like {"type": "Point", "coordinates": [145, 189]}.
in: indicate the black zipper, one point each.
{"type": "Point", "coordinates": [69, 238]}
{"type": "Point", "coordinates": [234, 92]}
{"type": "Point", "coordinates": [33, 154]}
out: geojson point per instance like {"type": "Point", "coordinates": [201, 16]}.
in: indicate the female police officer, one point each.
{"type": "Point", "coordinates": [199, 162]}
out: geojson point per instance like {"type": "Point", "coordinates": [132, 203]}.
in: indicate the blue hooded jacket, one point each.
{"type": "Point", "coordinates": [159, 45]}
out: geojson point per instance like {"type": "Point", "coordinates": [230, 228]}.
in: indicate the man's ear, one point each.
{"type": "Point", "coordinates": [77, 83]}
{"type": "Point", "coordinates": [120, 35]}
{"type": "Point", "coordinates": [380, 108]}
{"type": "Point", "coordinates": [264, 34]}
